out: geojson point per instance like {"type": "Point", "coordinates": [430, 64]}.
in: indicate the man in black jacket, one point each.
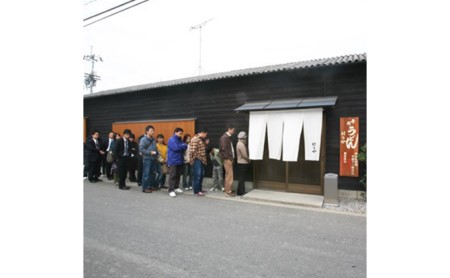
{"type": "Point", "coordinates": [93, 146]}
{"type": "Point", "coordinates": [133, 162]}
{"type": "Point", "coordinates": [122, 152]}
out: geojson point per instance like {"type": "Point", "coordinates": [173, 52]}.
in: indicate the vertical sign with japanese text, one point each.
{"type": "Point", "coordinates": [349, 146]}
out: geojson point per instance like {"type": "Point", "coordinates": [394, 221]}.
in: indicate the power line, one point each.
{"type": "Point", "coordinates": [87, 3]}
{"type": "Point", "coordinates": [116, 12]}
{"type": "Point", "coordinates": [108, 10]}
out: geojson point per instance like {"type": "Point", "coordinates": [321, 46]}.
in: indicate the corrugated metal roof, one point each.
{"type": "Point", "coordinates": [294, 103]}
{"type": "Point", "coordinates": [236, 73]}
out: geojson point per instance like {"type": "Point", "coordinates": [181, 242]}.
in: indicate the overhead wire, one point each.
{"type": "Point", "coordinates": [108, 10]}
{"type": "Point", "coordinates": [87, 3]}
{"type": "Point", "coordinates": [116, 12]}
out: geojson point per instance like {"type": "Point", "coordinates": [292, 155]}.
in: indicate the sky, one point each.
{"type": "Point", "coordinates": [154, 42]}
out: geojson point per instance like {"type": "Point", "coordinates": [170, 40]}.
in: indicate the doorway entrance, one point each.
{"type": "Point", "coordinates": [301, 176]}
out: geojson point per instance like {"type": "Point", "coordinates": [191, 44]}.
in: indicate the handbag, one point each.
{"type": "Point", "coordinates": [109, 157]}
{"type": "Point", "coordinates": [164, 169]}
{"type": "Point", "coordinates": [160, 159]}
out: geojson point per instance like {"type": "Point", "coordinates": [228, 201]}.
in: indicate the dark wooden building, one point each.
{"type": "Point", "coordinates": [211, 101]}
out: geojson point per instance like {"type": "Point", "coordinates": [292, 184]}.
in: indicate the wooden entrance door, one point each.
{"type": "Point", "coordinates": [300, 177]}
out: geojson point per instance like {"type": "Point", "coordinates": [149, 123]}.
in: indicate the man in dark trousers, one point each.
{"type": "Point", "coordinates": [108, 146]}
{"type": "Point", "coordinates": [122, 152]}
{"type": "Point", "coordinates": [175, 161]}
{"type": "Point", "coordinates": [227, 154]}
{"type": "Point", "coordinates": [149, 153]}
{"type": "Point", "coordinates": [95, 153]}
{"type": "Point", "coordinates": [134, 153]}
{"type": "Point", "coordinates": [139, 163]}
{"type": "Point", "coordinates": [100, 159]}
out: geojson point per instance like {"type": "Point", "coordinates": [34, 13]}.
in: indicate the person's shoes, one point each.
{"type": "Point", "coordinates": [163, 186]}
{"type": "Point", "coordinates": [155, 188]}
{"type": "Point", "coordinates": [147, 191]}
{"type": "Point", "coordinates": [125, 188]}
{"type": "Point", "coordinates": [223, 189]}
{"type": "Point", "coordinates": [98, 180]}
{"type": "Point", "coordinates": [110, 178]}
{"type": "Point", "coordinates": [172, 194]}
{"type": "Point", "coordinates": [190, 187]}
{"type": "Point", "coordinates": [204, 191]}
{"type": "Point", "coordinates": [231, 194]}
{"type": "Point", "coordinates": [178, 190]}
{"type": "Point", "coordinates": [200, 194]}
{"type": "Point", "coordinates": [213, 189]}
{"type": "Point", "coordinates": [92, 181]}
{"type": "Point", "coordinates": [139, 183]}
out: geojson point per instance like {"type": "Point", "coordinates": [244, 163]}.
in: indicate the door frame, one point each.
{"type": "Point", "coordinates": [297, 187]}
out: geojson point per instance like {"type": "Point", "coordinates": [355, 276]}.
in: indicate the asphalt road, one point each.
{"type": "Point", "coordinates": [131, 234]}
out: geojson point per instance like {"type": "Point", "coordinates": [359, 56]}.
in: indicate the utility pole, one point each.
{"type": "Point", "coordinates": [200, 26]}
{"type": "Point", "coordinates": [90, 79]}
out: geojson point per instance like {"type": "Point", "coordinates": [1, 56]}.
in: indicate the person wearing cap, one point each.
{"type": "Point", "coordinates": [122, 152]}
{"type": "Point", "coordinates": [227, 154]}
{"type": "Point", "coordinates": [242, 162]}
{"type": "Point", "coordinates": [217, 170]}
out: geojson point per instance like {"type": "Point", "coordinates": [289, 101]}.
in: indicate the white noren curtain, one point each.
{"type": "Point", "coordinates": [284, 130]}
{"type": "Point", "coordinates": [293, 123]}
{"type": "Point", "coordinates": [257, 134]}
{"type": "Point", "coordinates": [313, 133]}
{"type": "Point", "coordinates": [275, 133]}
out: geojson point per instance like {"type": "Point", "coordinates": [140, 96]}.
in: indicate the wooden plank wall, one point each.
{"type": "Point", "coordinates": [212, 103]}
{"type": "Point", "coordinates": [165, 128]}
{"type": "Point", "coordinates": [84, 130]}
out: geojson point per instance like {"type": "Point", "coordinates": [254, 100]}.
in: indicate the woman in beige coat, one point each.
{"type": "Point", "coordinates": [242, 162]}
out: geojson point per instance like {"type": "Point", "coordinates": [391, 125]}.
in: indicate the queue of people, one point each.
{"type": "Point", "coordinates": [183, 159]}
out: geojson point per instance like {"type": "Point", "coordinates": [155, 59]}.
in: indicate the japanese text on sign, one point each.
{"type": "Point", "coordinates": [349, 145]}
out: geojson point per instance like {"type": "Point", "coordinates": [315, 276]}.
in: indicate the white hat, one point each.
{"type": "Point", "coordinates": [242, 135]}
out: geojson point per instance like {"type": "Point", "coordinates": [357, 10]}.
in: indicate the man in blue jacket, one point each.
{"type": "Point", "coordinates": [175, 161]}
